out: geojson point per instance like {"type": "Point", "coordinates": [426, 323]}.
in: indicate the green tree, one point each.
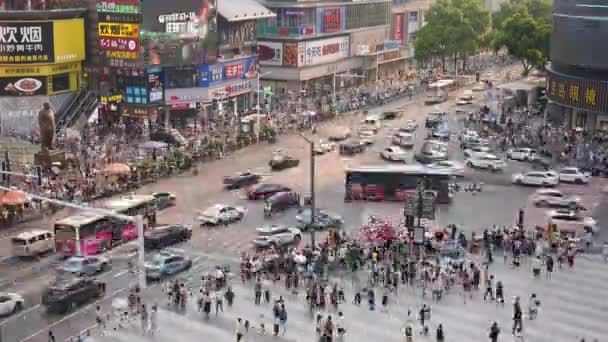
{"type": "Point", "coordinates": [525, 39]}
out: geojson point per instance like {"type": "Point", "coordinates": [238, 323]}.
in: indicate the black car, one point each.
{"type": "Point", "coordinates": [352, 147]}
{"type": "Point", "coordinates": [68, 294]}
{"type": "Point", "coordinates": [240, 180]}
{"type": "Point", "coordinates": [163, 236]}
{"type": "Point", "coordinates": [281, 162]}
{"type": "Point", "coordinates": [281, 201]}
{"type": "Point", "coordinates": [164, 199]}
{"type": "Point", "coordinates": [433, 119]}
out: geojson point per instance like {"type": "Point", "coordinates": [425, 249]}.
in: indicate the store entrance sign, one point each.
{"type": "Point", "coordinates": [118, 30]}
{"type": "Point", "coordinates": [26, 42]}
{"type": "Point", "coordinates": [331, 19]}
{"type": "Point", "coordinates": [326, 50]}
{"type": "Point", "coordinates": [238, 33]}
{"type": "Point", "coordinates": [118, 44]}
{"type": "Point", "coordinates": [116, 6]}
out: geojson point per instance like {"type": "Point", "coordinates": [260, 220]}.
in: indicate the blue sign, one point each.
{"type": "Point", "coordinates": [137, 95]}
{"type": "Point", "coordinates": [240, 69]}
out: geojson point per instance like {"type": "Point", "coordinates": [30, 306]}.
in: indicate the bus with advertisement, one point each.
{"type": "Point", "coordinates": [395, 182]}
{"type": "Point", "coordinates": [84, 233]}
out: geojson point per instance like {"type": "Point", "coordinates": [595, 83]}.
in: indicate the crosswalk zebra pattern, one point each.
{"type": "Point", "coordinates": [572, 307]}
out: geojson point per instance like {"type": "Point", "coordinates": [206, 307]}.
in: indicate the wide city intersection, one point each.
{"type": "Point", "coordinates": [570, 307]}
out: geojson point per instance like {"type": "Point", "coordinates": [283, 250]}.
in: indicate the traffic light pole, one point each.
{"type": "Point", "coordinates": [312, 189]}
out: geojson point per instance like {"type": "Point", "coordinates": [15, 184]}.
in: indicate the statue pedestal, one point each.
{"type": "Point", "coordinates": [46, 159]}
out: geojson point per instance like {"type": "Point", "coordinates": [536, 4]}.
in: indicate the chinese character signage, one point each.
{"type": "Point", "coordinates": [136, 95]}
{"type": "Point", "coordinates": [577, 92]}
{"type": "Point", "coordinates": [398, 29]}
{"type": "Point", "coordinates": [155, 79]}
{"type": "Point", "coordinates": [41, 42]}
{"type": "Point", "coordinates": [210, 75]}
{"type": "Point", "coordinates": [118, 30]}
{"type": "Point", "coordinates": [270, 53]}
{"type": "Point", "coordinates": [185, 18]}
{"type": "Point", "coordinates": [290, 54]}
{"type": "Point", "coordinates": [118, 44]}
{"type": "Point", "coordinates": [23, 86]}
{"type": "Point", "coordinates": [331, 19]}
{"type": "Point", "coordinates": [326, 50]}
{"type": "Point", "coordinates": [118, 6]}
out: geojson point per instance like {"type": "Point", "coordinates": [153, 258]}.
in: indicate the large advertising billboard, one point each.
{"type": "Point", "coordinates": [42, 42]}
{"type": "Point", "coordinates": [270, 53]}
{"type": "Point", "coordinates": [240, 69]}
{"type": "Point", "coordinates": [326, 50]}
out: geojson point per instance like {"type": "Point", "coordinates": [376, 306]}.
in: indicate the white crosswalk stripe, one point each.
{"type": "Point", "coordinates": [572, 307]}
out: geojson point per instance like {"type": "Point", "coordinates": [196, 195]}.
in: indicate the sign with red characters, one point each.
{"type": "Point", "coordinates": [331, 19]}
{"type": "Point", "coordinates": [398, 32]}
{"type": "Point", "coordinates": [118, 44]}
{"type": "Point", "coordinates": [233, 71]}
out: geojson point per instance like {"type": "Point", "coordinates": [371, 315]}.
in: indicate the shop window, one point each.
{"type": "Point", "coordinates": [182, 79]}
{"type": "Point", "coordinates": [581, 120]}
{"type": "Point", "coordinates": [61, 82]}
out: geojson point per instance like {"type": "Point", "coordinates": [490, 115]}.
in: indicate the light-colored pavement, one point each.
{"type": "Point", "coordinates": [570, 310]}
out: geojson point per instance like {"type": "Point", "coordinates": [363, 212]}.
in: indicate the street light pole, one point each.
{"type": "Point", "coordinates": [139, 221]}
{"type": "Point", "coordinates": [312, 189]}
{"type": "Point", "coordinates": [258, 108]}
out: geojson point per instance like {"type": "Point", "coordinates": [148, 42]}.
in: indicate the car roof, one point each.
{"type": "Point", "coordinates": [31, 234]}
{"type": "Point", "coordinates": [272, 228]}
{"type": "Point", "coordinates": [547, 191]}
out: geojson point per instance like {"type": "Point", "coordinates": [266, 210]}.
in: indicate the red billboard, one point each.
{"type": "Point", "coordinates": [118, 44]}
{"type": "Point", "coordinates": [331, 19]}
{"type": "Point", "coordinates": [398, 32]}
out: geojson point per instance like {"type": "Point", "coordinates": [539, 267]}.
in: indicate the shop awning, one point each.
{"type": "Point", "coordinates": [239, 10]}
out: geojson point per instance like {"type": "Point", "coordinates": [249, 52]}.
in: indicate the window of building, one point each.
{"type": "Point", "coordinates": [182, 79]}
{"type": "Point", "coordinates": [61, 82]}
{"type": "Point", "coordinates": [367, 15]}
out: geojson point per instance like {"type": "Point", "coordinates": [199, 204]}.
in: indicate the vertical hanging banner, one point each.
{"type": "Point", "coordinates": [398, 32]}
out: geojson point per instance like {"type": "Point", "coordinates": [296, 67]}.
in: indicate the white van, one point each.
{"type": "Point", "coordinates": [32, 243]}
{"type": "Point", "coordinates": [404, 139]}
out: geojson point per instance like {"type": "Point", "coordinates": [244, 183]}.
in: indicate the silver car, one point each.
{"type": "Point", "coordinates": [86, 265]}
{"type": "Point", "coordinates": [554, 198]}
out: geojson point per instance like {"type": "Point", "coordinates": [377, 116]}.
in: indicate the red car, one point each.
{"type": "Point", "coordinates": [263, 191]}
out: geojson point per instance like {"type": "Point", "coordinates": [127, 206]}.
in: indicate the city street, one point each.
{"type": "Point", "coordinates": [569, 310]}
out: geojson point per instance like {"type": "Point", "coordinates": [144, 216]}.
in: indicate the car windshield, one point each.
{"type": "Point", "coordinates": [69, 264]}
{"type": "Point", "coordinates": [158, 260]}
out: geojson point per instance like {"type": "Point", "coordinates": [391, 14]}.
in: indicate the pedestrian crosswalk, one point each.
{"type": "Point", "coordinates": [573, 306]}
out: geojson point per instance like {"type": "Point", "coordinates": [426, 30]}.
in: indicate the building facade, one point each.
{"type": "Point", "coordinates": [37, 63]}
{"type": "Point", "coordinates": [577, 78]}
{"type": "Point", "coordinates": [407, 19]}
{"type": "Point", "coordinates": [308, 42]}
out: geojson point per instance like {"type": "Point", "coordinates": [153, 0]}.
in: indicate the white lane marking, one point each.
{"type": "Point", "coordinates": [35, 307]}
{"type": "Point", "coordinates": [65, 318]}
{"type": "Point", "coordinates": [121, 273]}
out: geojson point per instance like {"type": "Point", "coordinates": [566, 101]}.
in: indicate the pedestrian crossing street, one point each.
{"type": "Point", "coordinates": [572, 307]}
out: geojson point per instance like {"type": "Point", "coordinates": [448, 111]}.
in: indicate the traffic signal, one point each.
{"type": "Point", "coordinates": [39, 175]}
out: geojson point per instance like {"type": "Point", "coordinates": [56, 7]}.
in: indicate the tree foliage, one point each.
{"type": "Point", "coordinates": [524, 29]}
{"type": "Point", "coordinates": [453, 28]}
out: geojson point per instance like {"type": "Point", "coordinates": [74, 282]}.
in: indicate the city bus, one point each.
{"type": "Point", "coordinates": [395, 182]}
{"type": "Point", "coordinates": [132, 205]}
{"type": "Point", "coordinates": [84, 233]}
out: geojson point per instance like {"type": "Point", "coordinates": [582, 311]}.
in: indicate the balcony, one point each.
{"type": "Point", "coordinates": [294, 32]}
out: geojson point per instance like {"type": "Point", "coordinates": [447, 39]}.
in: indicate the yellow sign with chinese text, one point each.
{"type": "Point", "coordinates": [68, 36]}
{"type": "Point", "coordinates": [577, 92]}
{"type": "Point", "coordinates": [118, 30]}
{"type": "Point", "coordinates": [39, 70]}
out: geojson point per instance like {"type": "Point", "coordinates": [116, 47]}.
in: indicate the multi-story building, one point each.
{"type": "Point", "coordinates": [577, 78]}
{"type": "Point", "coordinates": [407, 19]}
{"type": "Point", "coordinates": [38, 63]}
{"type": "Point", "coordinates": [309, 42]}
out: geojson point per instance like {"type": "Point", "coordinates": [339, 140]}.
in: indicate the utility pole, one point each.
{"type": "Point", "coordinates": [312, 189]}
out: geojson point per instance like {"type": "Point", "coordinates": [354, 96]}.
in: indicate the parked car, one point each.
{"type": "Point", "coordinates": [352, 147]}
{"type": "Point", "coordinates": [323, 219]}
{"type": "Point", "coordinates": [281, 201]}
{"type": "Point", "coordinates": [66, 294]}
{"type": "Point", "coordinates": [454, 167]}
{"type": "Point", "coordinates": [555, 198]}
{"type": "Point", "coordinates": [220, 214]}
{"type": "Point", "coordinates": [240, 180]}
{"type": "Point", "coordinates": [167, 235]}
{"type": "Point", "coordinates": [86, 265]}
{"type": "Point", "coordinates": [471, 142]}
{"type": "Point", "coordinates": [164, 199]}
{"type": "Point", "coordinates": [276, 236]}
{"type": "Point", "coordinates": [262, 191]}
{"type": "Point", "coordinates": [10, 303]}
{"type": "Point", "coordinates": [432, 151]}
{"type": "Point", "coordinates": [473, 150]}
{"type": "Point", "coordinates": [572, 221]}
{"type": "Point", "coordinates": [434, 118]}
{"type": "Point", "coordinates": [538, 178]}
{"type": "Point", "coordinates": [486, 161]}
{"type": "Point", "coordinates": [521, 154]}
{"type": "Point", "coordinates": [573, 175]}
{"type": "Point", "coordinates": [166, 263]}
{"type": "Point", "coordinates": [283, 161]}
{"type": "Point", "coordinates": [394, 153]}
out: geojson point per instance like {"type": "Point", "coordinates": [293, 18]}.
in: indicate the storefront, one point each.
{"type": "Point", "coordinates": [36, 61]}
{"type": "Point", "coordinates": [582, 102]}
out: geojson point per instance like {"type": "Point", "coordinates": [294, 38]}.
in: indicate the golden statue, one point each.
{"type": "Point", "coordinates": [46, 123]}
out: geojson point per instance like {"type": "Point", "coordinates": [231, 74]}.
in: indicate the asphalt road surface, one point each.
{"type": "Point", "coordinates": [498, 203]}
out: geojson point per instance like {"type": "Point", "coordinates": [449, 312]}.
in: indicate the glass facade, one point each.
{"type": "Point", "coordinates": [367, 15]}
{"type": "Point", "coordinates": [289, 22]}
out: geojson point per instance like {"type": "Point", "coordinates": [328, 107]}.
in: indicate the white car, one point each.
{"type": "Point", "coordinates": [573, 175]}
{"type": "Point", "coordinates": [456, 168]}
{"type": "Point", "coordinates": [554, 198]}
{"type": "Point", "coordinates": [572, 221]}
{"type": "Point", "coordinates": [410, 126]}
{"type": "Point", "coordinates": [465, 100]}
{"type": "Point", "coordinates": [220, 214]}
{"type": "Point", "coordinates": [10, 303]}
{"type": "Point", "coordinates": [486, 161]}
{"type": "Point", "coordinates": [276, 236]}
{"type": "Point", "coordinates": [470, 152]}
{"type": "Point", "coordinates": [539, 178]}
{"type": "Point", "coordinates": [521, 154]}
{"type": "Point", "coordinates": [468, 135]}
{"type": "Point", "coordinates": [394, 153]}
